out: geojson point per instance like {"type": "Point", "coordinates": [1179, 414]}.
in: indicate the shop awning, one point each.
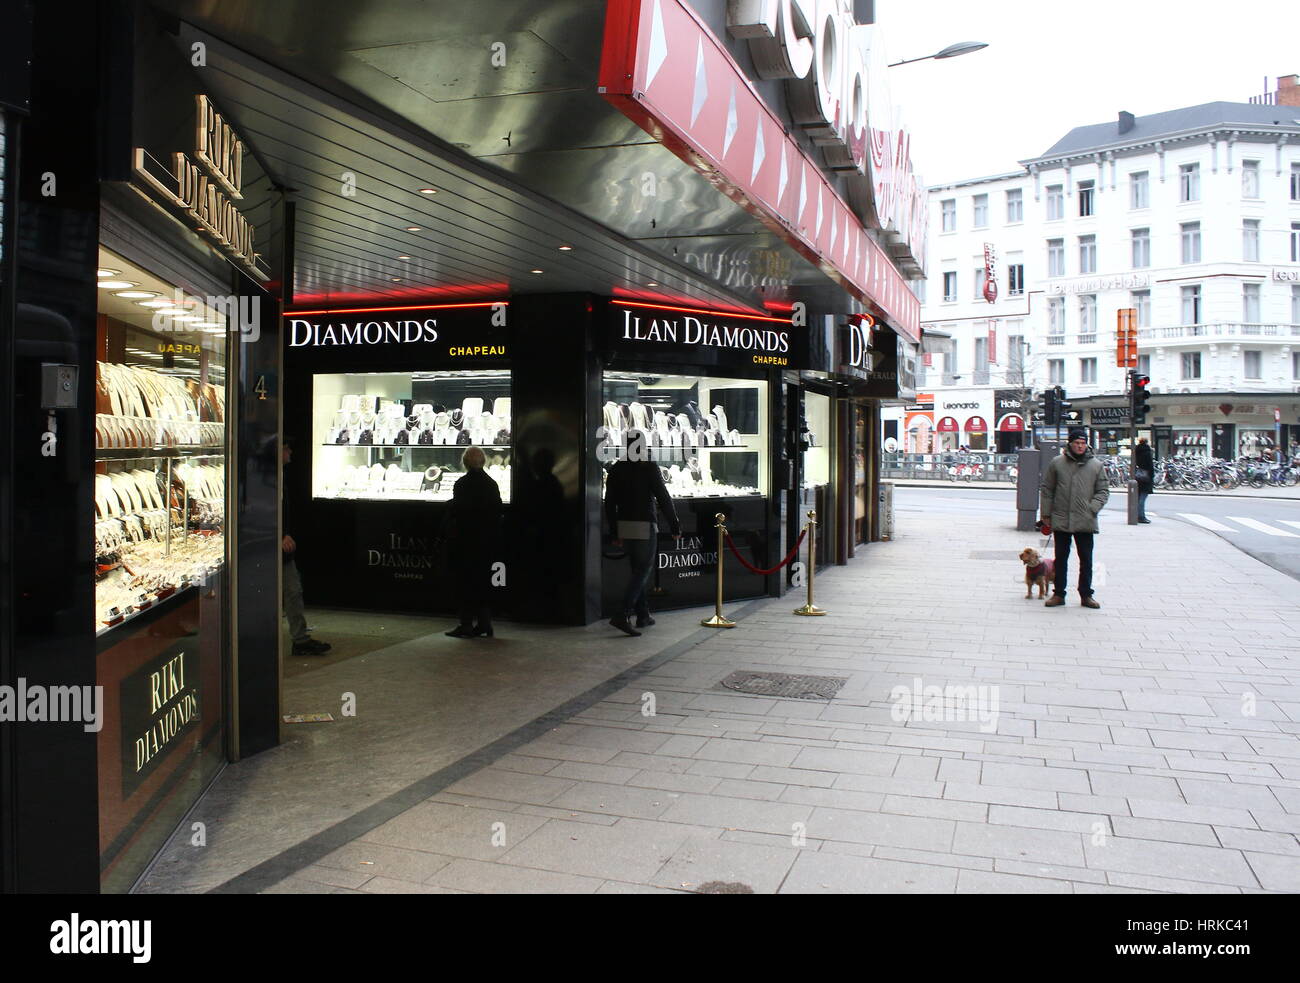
{"type": "Point", "coordinates": [1011, 423]}
{"type": "Point", "coordinates": [976, 424]}
{"type": "Point", "coordinates": [947, 425]}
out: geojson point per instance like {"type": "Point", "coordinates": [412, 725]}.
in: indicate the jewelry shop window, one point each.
{"type": "Point", "coordinates": [708, 435]}
{"type": "Point", "coordinates": [160, 442]}
{"type": "Point", "coordinates": [817, 439]}
{"type": "Point", "coordinates": [399, 436]}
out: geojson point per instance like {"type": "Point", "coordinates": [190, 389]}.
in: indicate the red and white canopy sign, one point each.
{"type": "Point", "coordinates": [666, 71]}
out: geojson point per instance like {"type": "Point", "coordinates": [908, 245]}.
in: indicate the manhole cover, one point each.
{"type": "Point", "coordinates": [783, 685]}
{"type": "Point", "coordinates": [724, 887]}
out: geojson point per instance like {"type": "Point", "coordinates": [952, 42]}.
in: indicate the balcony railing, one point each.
{"type": "Point", "coordinates": [1088, 339]}
{"type": "Point", "coordinates": [1056, 339]}
{"type": "Point", "coordinates": [1217, 331]}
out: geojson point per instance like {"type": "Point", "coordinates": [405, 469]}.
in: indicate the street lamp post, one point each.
{"type": "Point", "coordinates": [952, 51]}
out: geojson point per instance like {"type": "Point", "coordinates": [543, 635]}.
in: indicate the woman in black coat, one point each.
{"type": "Point", "coordinates": [1144, 473]}
{"type": "Point", "coordinates": [471, 544]}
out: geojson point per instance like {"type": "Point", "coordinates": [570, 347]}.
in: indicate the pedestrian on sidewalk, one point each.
{"type": "Point", "coordinates": [1144, 472]}
{"type": "Point", "coordinates": [472, 536]}
{"type": "Point", "coordinates": [290, 580]}
{"type": "Point", "coordinates": [1074, 491]}
{"type": "Point", "coordinates": [634, 488]}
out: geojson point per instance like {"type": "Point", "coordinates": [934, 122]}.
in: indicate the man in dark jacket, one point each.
{"type": "Point", "coordinates": [471, 542]}
{"type": "Point", "coordinates": [1144, 470]}
{"type": "Point", "coordinates": [291, 582]}
{"type": "Point", "coordinates": [634, 487]}
{"type": "Point", "coordinates": [1074, 490]}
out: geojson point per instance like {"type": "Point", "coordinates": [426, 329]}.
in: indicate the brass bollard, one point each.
{"type": "Point", "coordinates": [718, 621]}
{"type": "Point", "coordinates": [810, 609]}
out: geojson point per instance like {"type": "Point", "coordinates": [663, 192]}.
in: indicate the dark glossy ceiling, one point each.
{"type": "Point", "coordinates": [494, 104]}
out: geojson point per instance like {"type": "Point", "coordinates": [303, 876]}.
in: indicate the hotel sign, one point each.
{"type": "Point", "coordinates": [1094, 284]}
{"type": "Point", "coordinates": [206, 191]}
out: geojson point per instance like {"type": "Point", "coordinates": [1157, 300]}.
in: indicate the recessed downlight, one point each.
{"type": "Point", "coordinates": [395, 279]}
{"type": "Point", "coordinates": [536, 271]}
{"type": "Point", "coordinates": [428, 191]}
{"type": "Point", "coordinates": [105, 274]}
{"type": "Point", "coordinates": [187, 318]}
{"type": "Point", "coordinates": [412, 228]}
{"type": "Point", "coordinates": [135, 294]}
{"type": "Point", "coordinates": [403, 257]}
{"type": "Point", "coordinates": [117, 284]}
{"type": "Point", "coordinates": [155, 303]}
{"type": "Point", "coordinates": [565, 249]}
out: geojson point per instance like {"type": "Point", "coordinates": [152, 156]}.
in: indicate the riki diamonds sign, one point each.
{"type": "Point", "coordinates": [665, 70]}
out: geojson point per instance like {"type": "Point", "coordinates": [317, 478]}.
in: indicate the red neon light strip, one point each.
{"type": "Point", "coordinates": [411, 307]}
{"type": "Point", "coordinates": [702, 310]}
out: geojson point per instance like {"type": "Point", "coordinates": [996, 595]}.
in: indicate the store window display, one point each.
{"type": "Point", "coordinates": [708, 435]}
{"type": "Point", "coordinates": [160, 402]}
{"type": "Point", "coordinates": [400, 435]}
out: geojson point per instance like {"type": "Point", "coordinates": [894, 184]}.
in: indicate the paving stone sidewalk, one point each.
{"type": "Point", "coordinates": [1150, 746]}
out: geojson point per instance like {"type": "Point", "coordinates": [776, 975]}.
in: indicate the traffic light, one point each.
{"type": "Point", "coordinates": [1139, 397]}
{"type": "Point", "coordinates": [1051, 410]}
{"type": "Point", "coordinates": [1062, 407]}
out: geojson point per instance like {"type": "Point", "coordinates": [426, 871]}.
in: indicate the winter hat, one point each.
{"type": "Point", "coordinates": [1078, 433]}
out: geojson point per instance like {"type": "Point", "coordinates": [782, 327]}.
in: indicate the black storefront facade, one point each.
{"type": "Point", "coordinates": [162, 279]}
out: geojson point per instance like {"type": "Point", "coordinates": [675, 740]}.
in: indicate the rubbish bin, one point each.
{"type": "Point", "coordinates": [886, 511]}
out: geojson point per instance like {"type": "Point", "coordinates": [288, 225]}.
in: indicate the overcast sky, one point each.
{"type": "Point", "coordinates": [1051, 66]}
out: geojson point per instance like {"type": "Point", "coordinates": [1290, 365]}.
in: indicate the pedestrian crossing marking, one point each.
{"type": "Point", "coordinates": [1205, 523]}
{"type": "Point", "coordinates": [1290, 522]}
{"type": "Point", "coordinates": [1264, 528]}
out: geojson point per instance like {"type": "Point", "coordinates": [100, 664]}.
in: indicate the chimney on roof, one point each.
{"type": "Point", "coordinates": [1288, 92]}
{"type": "Point", "coordinates": [1125, 122]}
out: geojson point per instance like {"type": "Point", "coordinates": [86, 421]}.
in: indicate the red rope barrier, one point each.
{"type": "Point", "coordinates": [788, 557]}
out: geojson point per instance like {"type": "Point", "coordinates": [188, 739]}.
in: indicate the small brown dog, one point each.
{"type": "Point", "coordinates": [1039, 570]}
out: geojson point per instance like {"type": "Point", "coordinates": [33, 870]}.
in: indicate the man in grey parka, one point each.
{"type": "Point", "coordinates": [1074, 490]}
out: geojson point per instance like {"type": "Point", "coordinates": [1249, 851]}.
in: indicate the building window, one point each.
{"type": "Point", "coordinates": [1250, 179]}
{"type": "Point", "coordinates": [1056, 371]}
{"type": "Point", "coordinates": [1016, 279]}
{"type": "Point", "coordinates": [1144, 365]}
{"type": "Point", "coordinates": [1086, 189]}
{"type": "Point", "coordinates": [1192, 304]}
{"type": "Point", "coordinates": [981, 278]}
{"type": "Point", "coordinates": [1055, 202]}
{"type": "Point", "coordinates": [1056, 257]}
{"type": "Point", "coordinates": [1295, 304]}
{"type": "Point", "coordinates": [950, 286]}
{"type": "Point", "coordinates": [1191, 232]}
{"type": "Point", "coordinates": [1015, 206]}
{"type": "Point", "coordinates": [1189, 182]}
{"type": "Point", "coordinates": [1295, 365]}
{"type": "Point", "coordinates": [1087, 319]}
{"type": "Point", "coordinates": [1140, 300]}
{"type": "Point", "coordinates": [949, 207]}
{"type": "Point", "coordinates": [1088, 370]}
{"type": "Point", "coordinates": [1295, 242]}
{"type": "Point", "coordinates": [1141, 248]}
{"type": "Point", "coordinates": [1254, 362]}
{"type": "Point", "coordinates": [1191, 365]}
{"type": "Point", "coordinates": [1055, 320]}
{"type": "Point", "coordinates": [1087, 254]}
{"type": "Point", "coordinates": [981, 352]}
{"type": "Point", "coordinates": [1250, 303]}
{"type": "Point", "coordinates": [1139, 186]}
{"type": "Point", "coordinates": [918, 289]}
{"type": "Point", "coordinates": [1250, 240]}
{"type": "Point", "coordinates": [1016, 353]}
{"type": "Point", "coordinates": [1295, 182]}
{"type": "Point", "coordinates": [981, 211]}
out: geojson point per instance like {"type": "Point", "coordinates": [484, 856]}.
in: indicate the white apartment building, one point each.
{"type": "Point", "coordinates": [1190, 217]}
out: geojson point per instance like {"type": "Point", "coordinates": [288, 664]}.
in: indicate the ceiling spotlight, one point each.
{"type": "Point", "coordinates": [403, 257]}
{"type": "Point", "coordinates": [428, 191]}
{"type": "Point", "coordinates": [172, 309]}
{"type": "Point", "coordinates": [565, 249]}
{"type": "Point", "coordinates": [652, 283]}
{"type": "Point", "coordinates": [395, 279]}
{"type": "Point", "coordinates": [135, 294]}
{"type": "Point", "coordinates": [107, 273]}
{"type": "Point", "coordinates": [536, 271]}
{"type": "Point", "coordinates": [155, 303]}
{"type": "Point", "coordinates": [117, 284]}
{"type": "Point", "coordinates": [412, 228]}
{"type": "Point", "coordinates": [186, 317]}
{"type": "Point", "coordinates": [209, 324]}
